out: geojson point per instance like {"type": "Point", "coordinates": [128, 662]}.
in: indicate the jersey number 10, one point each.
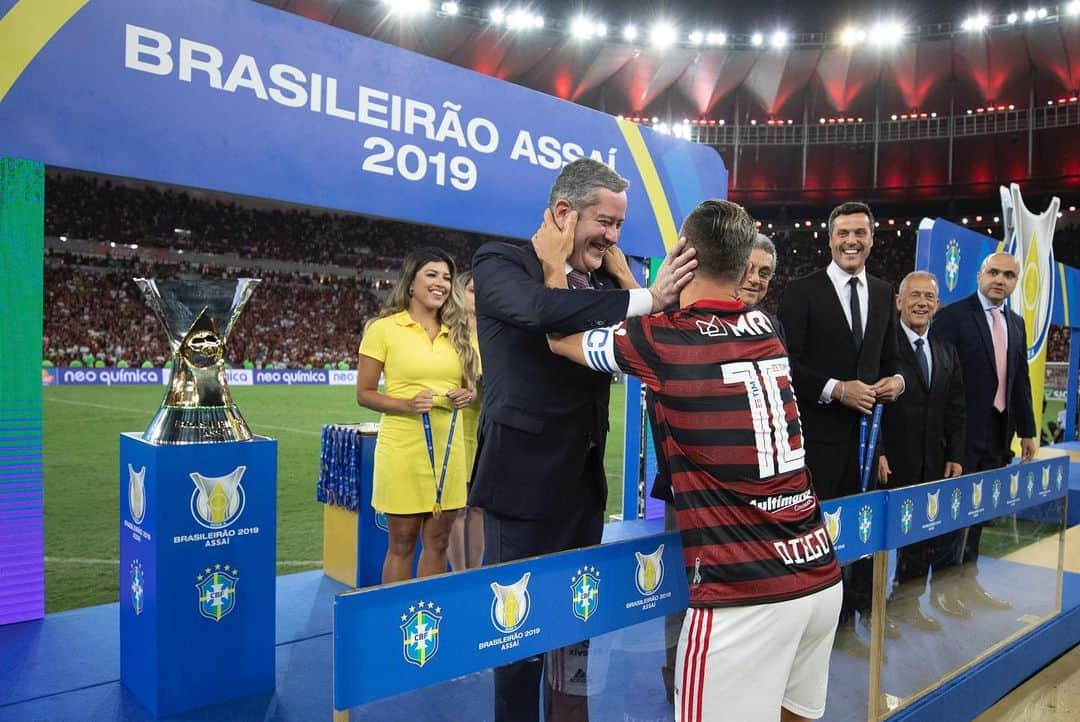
{"type": "Point", "coordinates": [761, 380]}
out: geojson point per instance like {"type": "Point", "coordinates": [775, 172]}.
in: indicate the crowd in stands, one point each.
{"type": "Point", "coordinates": [93, 308]}
{"type": "Point", "coordinates": [94, 312]}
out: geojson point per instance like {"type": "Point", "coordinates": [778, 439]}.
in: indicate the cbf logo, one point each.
{"type": "Point", "coordinates": [907, 512]}
{"type": "Point", "coordinates": [511, 605]}
{"type": "Point", "coordinates": [650, 571]}
{"type": "Point", "coordinates": [1046, 478]}
{"type": "Point", "coordinates": [420, 632]}
{"type": "Point", "coordinates": [866, 518]}
{"type": "Point", "coordinates": [217, 501]}
{"type": "Point", "coordinates": [136, 494]}
{"type": "Point", "coordinates": [380, 521]}
{"type": "Point", "coordinates": [976, 495]}
{"type": "Point", "coordinates": [954, 503]}
{"type": "Point", "coordinates": [1030, 486]}
{"type": "Point", "coordinates": [138, 588]}
{"type": "Point", "coordinates": [995, 495]}
{"type": "Point", "coordinates": [832, 524]}
{"type": "Point", "coordinates": [585, 592]}
{"type": "Point", "coordinates": [217, 591]}
{"type": "Point", "coordinates": [1014, 485]}
{"type": "Point", "coordinates": [952, 264]}
{"type": "Point", "coordinates": [932, 505]}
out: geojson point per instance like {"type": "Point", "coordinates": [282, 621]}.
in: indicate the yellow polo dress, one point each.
{"type": "Point", "coordinates": [403, 480]}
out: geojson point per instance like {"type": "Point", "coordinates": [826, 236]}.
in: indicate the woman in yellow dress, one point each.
{"type": "Point", "coordinates": [467, 534]}
{"type": "Point", "coordinates": [420, 344]}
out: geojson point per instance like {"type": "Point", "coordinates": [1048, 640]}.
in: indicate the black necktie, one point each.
{"type": "Point", "coordinates": [920, 356]}
{"type": "Point", "coordinates": [856, 313]}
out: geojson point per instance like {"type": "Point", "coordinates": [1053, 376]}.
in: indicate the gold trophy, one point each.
{"type": "Point", "coordinates": [198, 317]}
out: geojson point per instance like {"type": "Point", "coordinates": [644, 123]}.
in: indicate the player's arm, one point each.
{"type": "Point", "coordinates": [594, 348]}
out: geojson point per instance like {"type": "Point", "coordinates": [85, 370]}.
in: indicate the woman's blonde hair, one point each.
{"type": "Point", "coordinates": [452, 314]}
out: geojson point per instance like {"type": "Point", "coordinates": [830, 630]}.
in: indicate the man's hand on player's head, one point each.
{"type": "Point", "coordinates": [674, 273]}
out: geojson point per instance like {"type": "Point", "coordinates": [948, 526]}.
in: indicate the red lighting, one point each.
{"type": "Point", "coordinates": [978, 219]}
{"type": "Point", "coordinates": [892, 222]}
{"type": "Point", "coordinates": [978, 110]}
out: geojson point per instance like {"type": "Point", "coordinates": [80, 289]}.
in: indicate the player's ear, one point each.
{"type": "Point", "coordinates": [562, 209]}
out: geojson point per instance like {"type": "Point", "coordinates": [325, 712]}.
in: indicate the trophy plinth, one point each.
{"type": "Point", "coordinates": [198, 317]}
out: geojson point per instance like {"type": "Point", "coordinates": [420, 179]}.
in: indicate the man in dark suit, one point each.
{"type": "Point", "coordinates": [539, 472]}
{"type": "Point", "coordinates": [840, 328]}
{"type": "Point", "coordinates": [922, 439]}
{"type": "Point", "coordinates": [992, 343]}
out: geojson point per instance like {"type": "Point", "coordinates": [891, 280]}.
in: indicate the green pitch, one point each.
{"type": "Point", "coordinates": [82, 429]}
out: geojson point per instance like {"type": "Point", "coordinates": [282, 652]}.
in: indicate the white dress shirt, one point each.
{"type": "Point", "coordinates": [987, 304]}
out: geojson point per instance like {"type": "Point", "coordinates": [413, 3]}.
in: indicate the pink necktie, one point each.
{"type": "Point", "coordinates": [577, 279]}
{"type": "Point", "coordinates": [997, 323]}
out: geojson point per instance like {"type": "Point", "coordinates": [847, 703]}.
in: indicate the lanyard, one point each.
{"type": "Point", "coordinates": [867, 446]}
{"type": "Point", "coordinates": [440, 479]}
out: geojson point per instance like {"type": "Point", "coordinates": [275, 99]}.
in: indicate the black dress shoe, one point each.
{"type": "Point", "coordinates": [911, 613]}
{"type": "Point", "coordinates": [892, 631]}
{"type": "Point", "coordinates": [948, 604]}
{"type": "Point", "coordinates": [974, 593]}
{"type": "Point", "coordinates": [850, 643]}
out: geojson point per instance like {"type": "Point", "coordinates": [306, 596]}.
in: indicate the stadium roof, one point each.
{"type": "Point", "coordinates": [923, 57]}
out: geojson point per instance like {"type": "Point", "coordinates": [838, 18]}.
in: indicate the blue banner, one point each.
{"type": "Point", "coordinates": [63, 376]}
{"type": "Point", "coordinates": [309, 377]}
{"type": "Point", "coordinates": [248, 99]}
{"type": "Point", "coordinates": [391, 639]}
{"type": "Point", "coordinates": [928, 510]}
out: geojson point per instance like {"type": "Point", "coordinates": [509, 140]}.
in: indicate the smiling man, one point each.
{"type": "Point", "coordinates": [539, 473]}
{"type": "Point", "coordinates": [840, 326]}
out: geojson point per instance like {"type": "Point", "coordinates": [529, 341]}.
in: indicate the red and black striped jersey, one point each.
{"type": "Point", "coordinates": [750, 522]}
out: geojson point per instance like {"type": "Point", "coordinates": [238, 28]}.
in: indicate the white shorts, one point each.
{"type": "Point", "coordinates": [745, 663]}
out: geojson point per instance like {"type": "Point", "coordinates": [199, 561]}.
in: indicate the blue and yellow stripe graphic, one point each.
{"type": "Point", "coordinates": [654, 189]}
{"type": "Point", "coordinates": [25, 30]}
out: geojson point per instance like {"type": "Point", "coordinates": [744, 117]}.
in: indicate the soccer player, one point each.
{"type": "Point", "coordinates": [764, 582]}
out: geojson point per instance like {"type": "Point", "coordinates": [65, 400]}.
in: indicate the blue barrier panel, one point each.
{"type": "Point", "coordinates": [392, 639]}
{"type": "Point", "coordinates": [856, 524]}
{"type": "Point", "coordinates": [928, 510]}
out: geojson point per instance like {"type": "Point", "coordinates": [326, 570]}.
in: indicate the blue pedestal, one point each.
{"type": "Point", "coordinates": [197, 571]}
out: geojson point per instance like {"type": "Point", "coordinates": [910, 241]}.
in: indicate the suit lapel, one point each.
{"type": "Point", "coordinates": [938, 370]}
{"type": "Point", "coordinates": [978, 317]}
{"type": "Point", "coordinates": [908, 354]}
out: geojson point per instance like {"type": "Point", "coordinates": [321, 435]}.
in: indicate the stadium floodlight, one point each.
{"type": "Point", "coordinates": [600, 30]}
{"type": "Point", "coordinates": [497, 15]}
{"type": "Point", "coordinates": [629, 33]}
{"type": "Point", "coordinates": [696, 38]}
{"type": "Point", "coordinates": [887, 33]}
{"type": "Point", "coordinates": [663, 34]}
{"type": "Point", "coordinates": [450, 8]}
{"type": "Point", "coordinates": [1030, 15]}
{"type": "Point", "coordinates": [976, 23]}
{"type": "Point", "coordinates": [407, 8]}
{"type": "Point", "coordinates": [1073, 9]}
{"type": "Point", "coordinates": [757, 39]}
{"type": "Point", "coordinates": [581, 28]}
{"type": "Point", "coordinates": [1041, 13]}
{"type": "Point", "coordinates": [716, 38]}
{"type": "Point", "coordinates": [779, 39]}
{"type": "Point", "coordinates": [852, 35]}
{"type": "Point", "coordinates": [521, 19]}
{"type": "Point", "coordinates": [1011, 18]}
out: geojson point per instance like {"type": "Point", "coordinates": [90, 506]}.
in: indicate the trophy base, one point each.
{"type": "Point", "coordinates": [198, 425]}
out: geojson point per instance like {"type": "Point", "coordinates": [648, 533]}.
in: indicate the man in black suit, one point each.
{"type": "Point", "coordinates": [992, 343]}
{"type": "Point", "coordinates": [922, 439]}
{"type": "Point", "coordinates": [840, 328]}
{"type": "Point", "coordinates": [539, 472]}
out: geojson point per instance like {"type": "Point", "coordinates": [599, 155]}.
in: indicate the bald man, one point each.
{"type": "Point", "coordinates": [992, 343]}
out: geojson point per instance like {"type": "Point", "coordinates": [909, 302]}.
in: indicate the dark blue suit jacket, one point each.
{"type": "Point", "coordinates": [541, 412]}
{"type": "Point", "coordinates": [964, 324]}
